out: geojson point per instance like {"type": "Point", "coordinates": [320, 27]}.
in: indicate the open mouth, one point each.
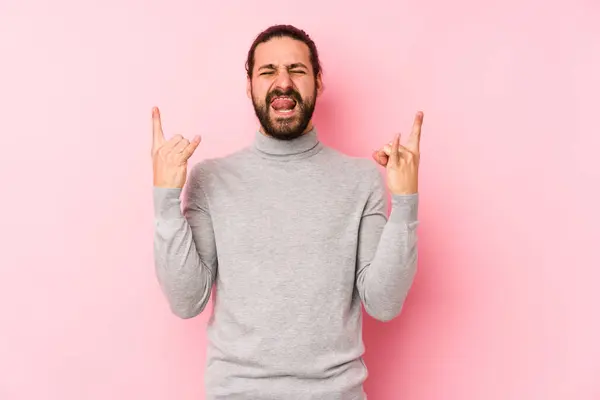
{"type": "Point", "coordinates": [284, 105]}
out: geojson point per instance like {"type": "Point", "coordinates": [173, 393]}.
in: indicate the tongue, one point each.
{"type": "Point", "coordinates": [283, 104]}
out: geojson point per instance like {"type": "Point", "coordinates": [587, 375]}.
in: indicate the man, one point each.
{"type": "Point", "coordinates": [293, 234]}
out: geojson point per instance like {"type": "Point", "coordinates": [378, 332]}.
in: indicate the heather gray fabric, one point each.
{"type": "Point", "coordinates": [295, 236]}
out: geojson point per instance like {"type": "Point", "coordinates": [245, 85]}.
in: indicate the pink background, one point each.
{"type": "Point", "coordinates": [505, 306]}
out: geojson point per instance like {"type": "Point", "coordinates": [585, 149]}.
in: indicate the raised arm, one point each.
{"type": "Point", "coordinates": [387, 253]}
{"type": "Point", "coordinates": [184, 244]}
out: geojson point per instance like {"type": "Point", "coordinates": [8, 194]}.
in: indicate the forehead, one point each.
{"type": "Point", "coordinates": [282, 51]}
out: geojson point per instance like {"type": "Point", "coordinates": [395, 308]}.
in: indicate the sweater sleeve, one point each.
{"type": "Point", "coordinates": [387, 252]}
{"type": "Point", "coordinates": [184, 246]}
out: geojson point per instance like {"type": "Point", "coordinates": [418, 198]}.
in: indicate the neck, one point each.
{"type": "Point", "coordinates": [303, 146]}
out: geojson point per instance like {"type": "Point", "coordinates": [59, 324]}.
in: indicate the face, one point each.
{"type": "Point", "coordinates": [283, 88]}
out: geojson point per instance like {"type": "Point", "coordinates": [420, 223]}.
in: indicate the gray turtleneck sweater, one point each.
{"type": "Point", "coordinates": [295, 237]}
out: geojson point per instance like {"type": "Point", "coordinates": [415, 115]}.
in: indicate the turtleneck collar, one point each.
{"type": "Point", "coordinates": [303, 146]}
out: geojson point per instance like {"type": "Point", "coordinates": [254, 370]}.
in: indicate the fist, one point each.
{"type": "Point", "coordinates": [170, 157]}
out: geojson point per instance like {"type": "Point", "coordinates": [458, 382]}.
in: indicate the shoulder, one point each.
{"type": "Point", "coordinates": [362, 170]}
{"type": "Point", "coordinates": [214, 166]}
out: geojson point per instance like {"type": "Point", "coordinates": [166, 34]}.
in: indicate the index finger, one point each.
{"type": "Point", "coordinates": [158, 136]}
{"type": "Point", "coordinates": [415, 136]}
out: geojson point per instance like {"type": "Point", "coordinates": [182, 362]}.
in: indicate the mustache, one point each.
{"type": "Point", "coordinates": [289, 93]}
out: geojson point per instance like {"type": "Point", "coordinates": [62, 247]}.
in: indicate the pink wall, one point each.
{"type": "Point", "coordinates": [505, 306]}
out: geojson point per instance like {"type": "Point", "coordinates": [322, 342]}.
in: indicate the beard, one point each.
{"type": "Point", "coordinates": [282, 127]}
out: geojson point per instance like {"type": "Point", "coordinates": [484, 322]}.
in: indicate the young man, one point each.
{"type": "Point", "coordinates": [294, 235]}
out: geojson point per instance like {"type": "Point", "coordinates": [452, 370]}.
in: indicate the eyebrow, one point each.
{"type": "Point", "coordinates": [290, 66]}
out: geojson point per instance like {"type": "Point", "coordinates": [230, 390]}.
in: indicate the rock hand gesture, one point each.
{"type": "Point", "coordinates": [402, 161]}
{"type": "Point", "coordinates": [170, 157]}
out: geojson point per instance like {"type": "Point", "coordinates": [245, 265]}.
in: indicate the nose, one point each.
{"type": "Point", "coordinates": [283, 80]}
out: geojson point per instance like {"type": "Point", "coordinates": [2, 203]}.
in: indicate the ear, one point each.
{"type": "Point", "coordinates": [320, 86]}
{"type": "Point", "coordinates": [249, 88]}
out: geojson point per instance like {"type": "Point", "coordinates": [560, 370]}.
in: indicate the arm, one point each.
{"type": "Point", "coordinates": [184, 247]}
{"type": "Point", "coordinates": [387, 252]}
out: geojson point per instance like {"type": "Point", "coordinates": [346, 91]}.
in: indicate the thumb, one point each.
{"type": "Point", "coordinates": [380, 157]}
{"type": "Point", "coordinates": [190, 148]}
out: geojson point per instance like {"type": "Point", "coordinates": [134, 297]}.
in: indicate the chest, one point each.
{"type": "Point", "coordinates": [282, 211]}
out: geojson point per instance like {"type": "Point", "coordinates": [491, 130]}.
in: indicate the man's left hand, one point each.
{"type": "Point", "coordinates": [402, 161]}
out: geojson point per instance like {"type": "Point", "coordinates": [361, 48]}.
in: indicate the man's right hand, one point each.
{"type": "Point", "coordinates": [170, 157]}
